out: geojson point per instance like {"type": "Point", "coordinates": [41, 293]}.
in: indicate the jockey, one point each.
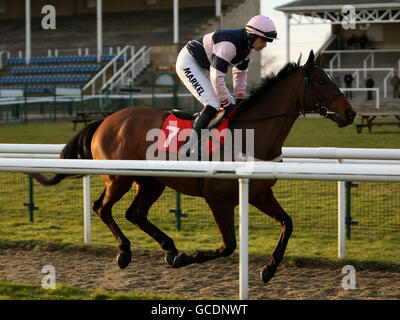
{"type": "Point", "coordinates": [203, 63]}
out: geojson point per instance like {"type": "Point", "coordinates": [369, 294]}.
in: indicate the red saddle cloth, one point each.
{"type": "Point", "coordinates": [175, 131]}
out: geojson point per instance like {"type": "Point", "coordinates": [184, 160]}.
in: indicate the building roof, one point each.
{"type": "Point", "coordinates": [328, 5]}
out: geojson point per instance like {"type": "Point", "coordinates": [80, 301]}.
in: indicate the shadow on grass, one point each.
{"type": "Point", "coordinates": [360, 265]}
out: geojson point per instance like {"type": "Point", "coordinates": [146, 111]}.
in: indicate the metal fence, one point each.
{"type": "Point", "coordinates": [25, 109]}
{"type": "Point", "coordinates": [373, 208]}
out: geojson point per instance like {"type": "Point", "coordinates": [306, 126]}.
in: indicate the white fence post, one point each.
{"type": "Point", "coordinates": [399, 67]}
{"type": "Point", "coordinates": [378, 101]}
{"type": "Point", "coordinates": [244, 239]}
{"type": "Point", "coordinates": [341, 218]}
{"type": "Point", "coordinates": [86, 208]}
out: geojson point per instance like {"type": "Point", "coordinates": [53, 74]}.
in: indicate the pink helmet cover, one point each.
{"type": "Point", "coordinates": [262, 26]}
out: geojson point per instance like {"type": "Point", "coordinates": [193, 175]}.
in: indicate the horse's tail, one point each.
{"type": "Point", "coordinates": [79, 147]}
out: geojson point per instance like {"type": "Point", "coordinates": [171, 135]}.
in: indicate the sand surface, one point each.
{"type": "Point", "coordinates": [218, 278]}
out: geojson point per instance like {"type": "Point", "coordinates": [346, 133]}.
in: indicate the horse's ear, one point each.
{"type": "Point", "coordinates": [298, 61]}
{"type": "Point", "coordinates": [318, 60]}
{"type": "Point", "coordinates": [310, 62]}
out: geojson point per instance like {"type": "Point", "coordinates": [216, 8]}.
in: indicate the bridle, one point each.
{"type": "Point", "coordinates": [322, 110]}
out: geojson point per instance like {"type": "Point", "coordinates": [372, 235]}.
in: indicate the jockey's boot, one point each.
{"type": "Point", "coordinates": [229, 108]}
{"type": "Point", "coordinates": [201, 122]}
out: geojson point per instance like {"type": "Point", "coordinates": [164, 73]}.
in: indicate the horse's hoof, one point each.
{"type": "Point", "coordinates": [123, 261]}
{"type": "Point", "coordinates": [169, 259]}
{"type": "Point", "coordinates": [177, 262]}
{"type": "Point", "coordinates": [266, 274]}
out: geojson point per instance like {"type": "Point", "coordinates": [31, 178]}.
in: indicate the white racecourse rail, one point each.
{"type": "Point", "coordinates": [243, 171]}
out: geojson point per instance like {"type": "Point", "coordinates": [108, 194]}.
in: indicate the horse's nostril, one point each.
{"type": "Point", "coordinates": [350, 114]}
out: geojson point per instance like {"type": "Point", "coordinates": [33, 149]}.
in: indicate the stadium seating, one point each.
{"type": "Point", "coordinates": [134, 31]}
{"type": "Point", "coordinates": [61, 59]}
{"type": "Point", "coordinates": [56, 69]}
{"type": "Point", "coordinates": [46, 72]}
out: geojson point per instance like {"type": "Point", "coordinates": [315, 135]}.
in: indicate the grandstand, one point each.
{"type": "Point", "coordinates": [68, 55]}
{"type": "Point", "coordinates": [370, 47]}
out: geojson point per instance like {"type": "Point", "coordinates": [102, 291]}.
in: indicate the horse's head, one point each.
{"type": "Point", "coordinates": [322, 95]}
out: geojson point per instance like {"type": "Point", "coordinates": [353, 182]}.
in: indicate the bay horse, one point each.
{"type": "Point", "coordinates": [270, 110]}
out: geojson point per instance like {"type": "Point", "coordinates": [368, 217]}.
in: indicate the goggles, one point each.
{"type": "Point", "coordinates": [269, 36]}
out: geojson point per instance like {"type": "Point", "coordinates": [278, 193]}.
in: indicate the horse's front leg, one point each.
{"type": "Point", "coordinates": [223, 211]}
{"type": "Point", "coordinates": [267, 203]}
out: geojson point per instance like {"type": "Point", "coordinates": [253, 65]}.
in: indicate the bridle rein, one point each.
{"type": "Point", "coordinates": [322, 110]}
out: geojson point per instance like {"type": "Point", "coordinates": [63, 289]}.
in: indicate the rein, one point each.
{"type": "Point", "coordinates": [320, 109]}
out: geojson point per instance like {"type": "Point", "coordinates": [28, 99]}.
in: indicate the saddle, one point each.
{"type": "Point", "coordinates": [175, 130]}
{"type": "Point", "coordinates": [214, 122]}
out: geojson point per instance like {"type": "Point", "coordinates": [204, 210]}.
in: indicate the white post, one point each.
{"type": "Point", "coordinates": [176, 21]}
{"type": "Point", "coordinates": [86, 208]}
{"type": "Point", "coordinates": [357, 78]}
{"type": "Point", "coordinates": [331, 64]}
{"type": "Point", "coordinates": [341, 218]}
{"type": "Point", "coordinates": [365, 67]}
{"type": "Point", "coordinates": [99, 30]}
{"type": "Point", "coordinates": [399, 68]}
{"type": "Point", "coordinates": [287, 15]}
{"type": "Point", "coordinates": [218, 12]}
{"type": "Point", "coordinates": [385, 87]}
{"type": "Point", "coordinates": [217, 8]}
{"type": "Point", "coordinates": [28, 49]}
{"type": "Point", "coordinates": [244, 239]}
{"type": "Point", "coordinates": [378, 99]}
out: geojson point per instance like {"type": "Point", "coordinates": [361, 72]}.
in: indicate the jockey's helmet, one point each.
{"type": "Point", "coordinates": [261, 26]}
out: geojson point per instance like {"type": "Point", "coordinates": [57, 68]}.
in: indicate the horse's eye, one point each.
{"type": "Point", "coordinates": [321, 81]}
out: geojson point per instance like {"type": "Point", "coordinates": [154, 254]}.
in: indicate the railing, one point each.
{"type": "Point", "coordinates": [356, 75]}
{"type": "Point", "coordinates": [111, 66]}
{"type": "Point", "coordinates": [369, 58]}
{"type": "Point", "coordinates": [356, 71]}
{"type": "Point", "coordinates": [16, 107]}
{"type": "Point", "coordinates": [364, 51]}
{"type": "Point", "coordinates": [298, 155]}
{"type": "Point", "coordinates": [130, 70]}
{"type": "Point", "coordinates": [377, 92]}
{"type": "Point", "coordinates": [243, 171]}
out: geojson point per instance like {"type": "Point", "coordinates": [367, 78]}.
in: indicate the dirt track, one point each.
{"type": "Point", "coordinates": [219, 278]}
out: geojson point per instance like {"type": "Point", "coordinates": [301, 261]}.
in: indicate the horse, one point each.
{"type": "Point", "coordinates": [271, 110]}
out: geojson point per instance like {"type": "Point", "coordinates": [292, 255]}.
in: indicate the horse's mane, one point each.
{"type": "Point", "coordinates": [269, 84]}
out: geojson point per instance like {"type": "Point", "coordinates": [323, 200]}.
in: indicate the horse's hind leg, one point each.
{"type": "Point", "coordinates": [116, 187]}
{"type": "Point", "coordinates": [267, 203]}
{"type": "Point", "coordinates": [148, 191]}
{"type": "Point", "coordinates": [223, 212]}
